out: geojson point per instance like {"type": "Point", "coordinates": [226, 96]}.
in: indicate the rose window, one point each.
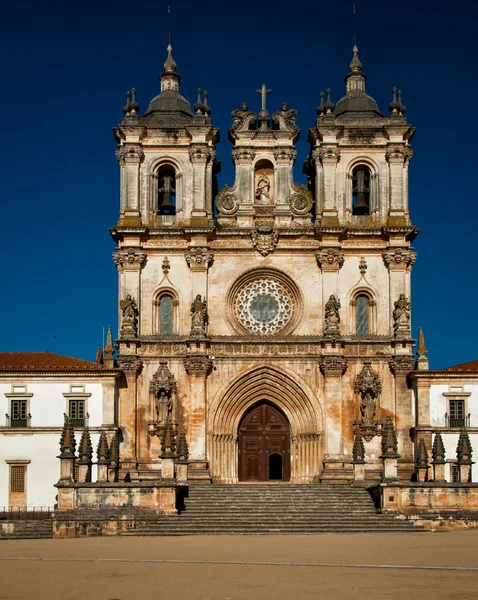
{"type": "Point", "coordinates": [264, 306]}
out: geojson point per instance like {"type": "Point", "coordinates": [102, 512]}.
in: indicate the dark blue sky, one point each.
{"type": "Point", "coordinates": [67, 66]}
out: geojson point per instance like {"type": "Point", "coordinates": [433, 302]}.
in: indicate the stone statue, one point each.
{"type": "Point", "coordinates": [332, 317]}
{"type": "Point", "coordinates": [243, 119]}
{"type": "Point", "coordinates": [198, 316]}
{"type": "Point", "coordinates": [164, 406]}
{"type": "Point", "coordinates": [129, 324]}
{"type": "Point", "coordinates": [263, 190]}
{"type": "Point", "coordinates": [163, 389]}
{"type": "Point", "coordinates": [284, 119]}
{"type": "Point", "coordinates": [401, 317]}
{"type": "Point", "coordinates": [367, 408]}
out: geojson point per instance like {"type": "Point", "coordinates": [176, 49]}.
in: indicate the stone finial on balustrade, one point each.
{"type": "Point", "coordinates": [67, 452]}
{"type": "Point", "coordinates": [85, 457]}
{"type": "Point", "coordinates": [183, 450]}
{"type": "Point", "coordinates": [464, 454]}
{"type": "Point", "coordinates": [103, 454]}
{"type": "Point", "coordinates": [438, 458]}
{"type": "Point", "coordinates": [67, 440]}
{"type": "Point", "coordinates": [168, 440]}
{"type": "Point", "coordinates": [422, 460]}
{"type": "Point", "coordinates": [358, 455]}
{"type": "Point", "coordinates": [389, 439]}
{"type": "Point", "coordinates": [390, 454]}
{"type": "Point", "coordinates": [114, 459]}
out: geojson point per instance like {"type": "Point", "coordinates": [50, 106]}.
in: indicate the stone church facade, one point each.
{"type": "Point", "coordinates": [266, 323]}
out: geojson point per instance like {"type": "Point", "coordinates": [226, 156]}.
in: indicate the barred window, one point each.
{"type": "Point", "coordinates": [17, 479]}
{"type": "Point", "coordinates": [457, 413]}
{"type": "Point", "coordinates": [455, 473]}
{"type": "Point", "coordinates": [77, 413]}
{"type": "Point", "coordinates": [362, 315]}
{"type": "Point", "coordinates": [18, 414]}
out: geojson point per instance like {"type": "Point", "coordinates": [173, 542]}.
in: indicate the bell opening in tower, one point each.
{"type": "Point", "coordinates": [166, 190]}
{"type": "Point", "coordinates": [361, 191]}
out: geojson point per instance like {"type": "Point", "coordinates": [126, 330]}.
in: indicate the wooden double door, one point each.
{"type": "Point", "coordinates": [264, 445]}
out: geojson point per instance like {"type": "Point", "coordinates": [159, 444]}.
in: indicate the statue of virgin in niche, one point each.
{"type": "Point", "coordinates": [263, 189]}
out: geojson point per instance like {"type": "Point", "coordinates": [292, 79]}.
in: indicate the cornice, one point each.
{"type": "Point", "coordinates": [53, 429]}
{"type": "Point", "coordinates": [437, 374]}
{"type": "Point", "coordinates": [60, 373]}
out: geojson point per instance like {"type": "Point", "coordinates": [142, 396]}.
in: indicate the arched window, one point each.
{"type": "Point", "coordinates": [362, 315]}
{"type": "Point", "coordinates": [166, 316]}
{"type": "Point", "coordinates": [361, 191]}
{"type": "Point", "coordinates": [166, 190]}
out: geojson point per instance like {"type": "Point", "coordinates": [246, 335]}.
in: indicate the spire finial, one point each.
{"type": "Point", "coordinates": [422, 351]}
{"type": "Point", "coordinates": [170, 64]}
{"type": "Point", "coordinates": [355, 64]}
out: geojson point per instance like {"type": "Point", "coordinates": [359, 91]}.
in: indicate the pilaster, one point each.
{"type": "Point", "coordinates": [128, 409]}
{"type": "Point", "coordinates": [401, 366]}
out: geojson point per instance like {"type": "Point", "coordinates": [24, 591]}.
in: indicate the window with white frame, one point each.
{"type": "Point", "coordinates": [19, 407]}
{"type": "Point", "coordinates": [77, 405]}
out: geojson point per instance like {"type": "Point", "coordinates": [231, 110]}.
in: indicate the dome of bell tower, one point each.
{"type": "Point", "coordinates": [356, 101]}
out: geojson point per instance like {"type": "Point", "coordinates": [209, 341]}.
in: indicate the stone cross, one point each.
{"type": "Point", "coordinates": [263, 91]}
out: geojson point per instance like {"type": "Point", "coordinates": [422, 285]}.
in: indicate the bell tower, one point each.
{"type": "Point", "coordinates": [168, 167]}
{"type": "Point", "coordinates": [358, 168]}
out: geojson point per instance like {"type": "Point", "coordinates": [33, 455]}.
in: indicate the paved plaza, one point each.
{"type": "Point", "coordinates": [335, 567]}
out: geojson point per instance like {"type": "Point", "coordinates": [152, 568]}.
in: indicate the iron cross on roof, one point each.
{"type": "Point", "coordinates": [264, 91]}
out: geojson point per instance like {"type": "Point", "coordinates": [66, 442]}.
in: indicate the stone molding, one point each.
{"type": "Point", "coordinates": [199, 154]}
{"type": "Point", "coordinates": [243, 155]}
{"type": "Point", "coordinates": [332, 366]}
{"type": "Point", "coordinates": [265, 239]}
{"type": "Point", "coordinates": [131, 154]}
{"type": "Point", "coordinates": [330, 259]}
{"type": "Point", "coordinates": [301, 202]}
{"type": "Point", "coordinates": [226, 203]}
{"type": "Point", "coordinates": [285, 155]}
{"type": "Point", "coordinates": [130, 364]}
{"type": "Point", "coordinates": [398, 259]}
{"type": "Point", "coordinates": [398, 154]}
{"type": "Point", "coordinates": [198, 365]}
{"type": "Point", "coordinates": [325, 155]}
{"type": "Point", "coordinates": [129, 259]}
{"type": "Point", "coordinates": [199, 258]}
{"type": "Point", "coordinates": [402, 365]}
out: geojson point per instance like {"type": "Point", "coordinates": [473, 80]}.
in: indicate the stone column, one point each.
{"type": "Point", "coordinates": [198, 366]}
{"type": "Point", "coordinates": [401, 366]}
{"type": "Point", "coordinates": [128, 410]}
{"type": "Point", "coordinates": [397, 157]}
{"type": "Point", "coordinates": [285, 158]}
{"type": "Point", "coordinates": [129, 261]}
{"type": "Point", "coordinates": [242, 158]}
{"type": "Point", "coordinates": [130, 157]}
{"type": "Point", "coordinates": [330, 261]}
{"type": "Point", "coordinates": [199, 156]}
{"type": "Point", "coordinates": [332, 368]}
{"type": "Point", "coordinates": [399, 262]}
{"type": "Point", "coordinates": [329, 157]}
{"type": "Point", "coordinates": [199, 259]}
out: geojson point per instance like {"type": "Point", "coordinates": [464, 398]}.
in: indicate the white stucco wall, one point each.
{"type": "Point", "coordinates": [40, 443]}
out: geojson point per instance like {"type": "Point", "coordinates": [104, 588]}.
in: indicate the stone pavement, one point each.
{"type": "Point", "coordinates": [333, 567]}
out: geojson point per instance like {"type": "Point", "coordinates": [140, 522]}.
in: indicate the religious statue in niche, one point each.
{"type": "Point", "coordinates": [332, 317]}
{"type": "Point", "coordinates": [163, 390]}
{"type": "Point", "coordinates": [263, 189]}
{"type": "Point", "coordinates": [129, 323]}
{"type": "Point", "coordinates": [368, 386]}
{"type": "Point", "coordinates": [401, 317]}
{"type": "Point", "coordinates": [198, 317]}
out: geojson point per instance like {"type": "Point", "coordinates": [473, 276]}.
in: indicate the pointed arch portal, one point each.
{"type": "Point", "coordinates": [296, 407]}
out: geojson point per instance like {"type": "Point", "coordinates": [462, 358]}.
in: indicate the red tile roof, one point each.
{"type": "Point", "coordinates": [44, 361]}
{"type": "Point", "coordinates": [469, 366]}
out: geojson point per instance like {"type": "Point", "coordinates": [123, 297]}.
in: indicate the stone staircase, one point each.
{"type": "Point", "coordinates": [26, 530]}
{"type": "Point", "coordinates": [274, 509]}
